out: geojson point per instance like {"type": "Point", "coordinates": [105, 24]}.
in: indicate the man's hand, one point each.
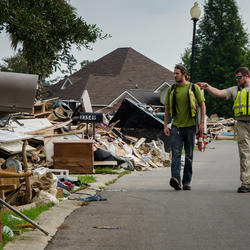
{"type": "Point", "coordinates": [203, 85]}
{"type": "Point", "coordinates": [201, 127]}
{"type": "Point", "coordinates": [166, 131]}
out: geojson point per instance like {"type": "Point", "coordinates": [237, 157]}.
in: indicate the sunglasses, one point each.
{"type": "Point", "coordinates": [238, 77]}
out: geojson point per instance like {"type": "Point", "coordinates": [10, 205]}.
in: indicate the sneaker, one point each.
{"type": "Point", "coordinates": [243, 189]}
{"type": "Point", "coordinates": [186, 187]}
{"type": "Point", "coordinates": [175, 183]}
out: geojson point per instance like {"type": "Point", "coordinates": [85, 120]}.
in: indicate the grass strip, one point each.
{"type": "Point", "coordinates": [8, 219]}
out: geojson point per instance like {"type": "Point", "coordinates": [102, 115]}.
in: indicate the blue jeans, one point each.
{"type": "Point", "coordinates": [180, 137]}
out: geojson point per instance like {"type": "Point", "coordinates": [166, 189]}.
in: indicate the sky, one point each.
{"type": "Point", "coordinates": [158, 29]}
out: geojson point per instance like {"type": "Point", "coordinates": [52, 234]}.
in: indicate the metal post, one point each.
{"type": "Point", "coordinates": [23, 216]}
{"type": "Point", "coordinates": [87, 131]}
{"type": "Point", "coordinates": [193, 49]}
{"type": "Point", "coordinates": [93, 131]}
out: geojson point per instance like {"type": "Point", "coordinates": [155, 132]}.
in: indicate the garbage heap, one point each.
{"type": "Point", "coordinates": [219, 128]}
{"type": "Point", "coordinates": [43, 153]}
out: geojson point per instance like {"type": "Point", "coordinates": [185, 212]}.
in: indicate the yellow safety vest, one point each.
{"type": "Point", "coordinates": [241, 105]}
{"type": "Point", "coordinates": [193, 104]}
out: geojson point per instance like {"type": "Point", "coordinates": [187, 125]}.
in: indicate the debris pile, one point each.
{"type": "Point", "coordinates": [219, 128]}
{"type": "Point", "coordinates": [55, 141]}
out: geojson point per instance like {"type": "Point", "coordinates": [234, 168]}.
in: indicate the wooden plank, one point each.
{"type": "Point", "coordinates": [28, 191]}
{"type": "Point", "coordinates": [48, 129]}
{"type": "Point", "coordinates": [139, 142]}
{"type": "Point", "coordinates": [42, 115]}
{"type": "Point", "coordinates": [7, 136]}
{"type": "Point", "coordinates": [7, 187]}
{"type": "Point", "coordinates": [100, 163]}
{"type": "Point", "coordinates": [15, 147]}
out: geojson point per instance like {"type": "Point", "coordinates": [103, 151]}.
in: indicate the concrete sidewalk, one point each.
{"type": "Point", "coordinates": [50, 220]}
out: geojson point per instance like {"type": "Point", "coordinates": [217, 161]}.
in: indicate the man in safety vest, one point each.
{"type": "Point", "coordinates": [182, 102]}
{"type": "Point", "coordinates": [241, 96]}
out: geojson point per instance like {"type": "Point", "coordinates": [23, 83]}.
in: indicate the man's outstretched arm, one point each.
{"type": "Point", "coordinates": [213, 91]}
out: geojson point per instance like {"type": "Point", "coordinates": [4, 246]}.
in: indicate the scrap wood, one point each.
{"type": "Point", "coordinates": [74, 132]}
{"type": "Point", "coordinates": [214, 127]}
{"type": "Point", "coordinates": [115, 132]}
{"type": "Point", "coordinates": [79, 189]}
{"type": "Point", "coordinates": [140, 142]}
{"type": "Point", "coordinates": [14, 147]}
{"type": "Point", "coordinates": [28, 193]}
{"type": "Point", "coordinates": [140, 157]}
{"type": "Point", "coordinates": [42, 115]}
{"type": "Point", "coordinates": [132, 138]}
{"type": "Point", "coordinates": [112, 125]}
{"type": "Point", "coordinates": [27, 225]}
{"type": "Point", "coordinates": [105, 163]}
{"type": "Point", "coordinates": [101, 131]}
{"type": "Point", "coordinates": [7, 136]}
{"type": "Point", "coordinates": [7, 187]}
{"type": "Point", "coordinates": [44, 102]}
{"type": "Point", "coordinates": [139, 163]}
{"type": "Point", "coordinates": [5, 174]}
{"type": "Point", "coordinates": [49, 128]}
{"type": "Point", "coordinates": [153, 164]}
{"type": "Point", "coordinates": [154, 143]}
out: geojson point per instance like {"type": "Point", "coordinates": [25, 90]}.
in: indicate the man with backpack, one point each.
{"type": "Point", "coordinates": [182, 102]}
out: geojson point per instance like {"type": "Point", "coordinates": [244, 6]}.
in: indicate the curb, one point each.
{"type": "Point", "coordinates": [50, 220]}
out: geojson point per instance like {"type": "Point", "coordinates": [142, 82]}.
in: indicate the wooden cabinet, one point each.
{"type": "Point", "coordinates": [75, 155]}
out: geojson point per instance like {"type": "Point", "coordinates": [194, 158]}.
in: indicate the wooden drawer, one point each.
{"type": "Point", "coordinates": [75, 155]}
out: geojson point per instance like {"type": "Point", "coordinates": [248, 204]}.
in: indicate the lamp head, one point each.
{"type": "Point", "coordinates": [195, 11]}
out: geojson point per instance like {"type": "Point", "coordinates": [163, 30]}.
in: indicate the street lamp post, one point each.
{"type": "Point", "coordinates": [195, 14]}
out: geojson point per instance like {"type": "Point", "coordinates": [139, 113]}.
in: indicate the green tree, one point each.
{"type": "Point", "coordinates": [186, 58]}
{"type": "Point", "coordinates": [71, 62]}
{"type": "Point", "coordinates": [84, 63]}
{"type": "Point", "coordinates": [247, 59]}
{"type": "Point", "coordinates": [221, 47]}
{"type": "Point", "coordinates": [16, 63]}
{"type": "Point", "coordinates": [46, 30]}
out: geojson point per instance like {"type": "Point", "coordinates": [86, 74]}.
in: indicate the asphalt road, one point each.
{"type": "Point", "coordinates": [143, 212]}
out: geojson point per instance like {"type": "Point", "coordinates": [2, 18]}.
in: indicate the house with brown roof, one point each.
{"type": "Point", "coordinates": [122, 71]}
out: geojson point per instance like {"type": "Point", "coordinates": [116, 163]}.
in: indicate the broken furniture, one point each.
{"type": "Point", "coordinates": [75, 155]}
{"type": "Point", "coordinates": [9, 180]}
{"type": "Point", "coordinates": [43, 109]}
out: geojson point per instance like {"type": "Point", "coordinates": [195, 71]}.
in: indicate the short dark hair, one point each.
{"type": "Point", "coordinates": [243, 70]}
{"type": "Point", "coordinates": [183, 70]}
